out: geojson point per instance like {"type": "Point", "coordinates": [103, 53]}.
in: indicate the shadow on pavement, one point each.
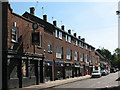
{"type": "Point", "coordinates": [118, 79]}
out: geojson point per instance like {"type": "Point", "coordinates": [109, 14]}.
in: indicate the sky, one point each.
{"type": "Point", "coordinates": [97, 22]}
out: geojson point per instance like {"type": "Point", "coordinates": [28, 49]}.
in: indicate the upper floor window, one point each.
{"type": "Point", "coordinates": [69, 54]}
{"type": "Point", "coordinates": [44, 46]}
{"type": "Point", "coordinates": [40, 38]}
{"type": "Point", "coordinates": [86, 47]}
{"type": "Point", "coordinates": [14, 34]}
{"type": "Point", "coordinates": [60, 35]}
{"type": "Point", "coordinates": [66, 38]}
{"type": "Point", "coordinates": [59, 52]}
{"type": "Point", "coordinates": [89, 48]}
{"type": "Point", "coordinates": [81, 56]}
{"type": "Point", "coordinates": [80, 44]}
{"type": "Point", "coordinates": [75, 55]}
{"type": "Point", "coordinates": [76, 42]}
{"type": "Point", "coordinates": [69, 39]}
{"type": "Point", "coordinates": [86, 58]}
{"type": "Point", "coordinates": [93, 58]}
{"type": "Point", "coordinates": [49, 47]}
{"type": "Point", "coordinates": [56, 33]}
{"type": "Point", "coordinates": [90, 59]}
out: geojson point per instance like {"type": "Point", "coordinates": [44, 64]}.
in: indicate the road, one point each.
{"type": "Point", "coordinates": [102, 82]}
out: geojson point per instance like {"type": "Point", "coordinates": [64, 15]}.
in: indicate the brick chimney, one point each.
{"type": "Point", "coordinates": [63, 27]}
{"type": "Point", "coordinates": [32, 10]}
{"type": "Point", "coordinates": [45, 18]}
{"type": "Point", "coordinates": [74, 34]}
{"type": "Point", "coordinates": [55, 23]}
{"type": "Point", "coordinates": [69, 31]}
{"type": "Point", "coordinates": [79, 37]}
{"type": "Point", "coordinates": [83, 39]}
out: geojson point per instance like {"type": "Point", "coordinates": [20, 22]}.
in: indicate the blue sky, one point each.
{"type": "Point", "coordinates": [97, 22]}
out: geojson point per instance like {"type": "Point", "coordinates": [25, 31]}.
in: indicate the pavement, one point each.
{"type": "Point", "coordinates": [51, 84]}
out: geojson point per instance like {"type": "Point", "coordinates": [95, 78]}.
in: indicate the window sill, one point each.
{"type": "Point", "coordinates": [39, 47]}
{"type": "Point", "coordinates": [50, 52]}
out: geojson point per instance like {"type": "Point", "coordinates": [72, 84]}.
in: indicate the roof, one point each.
{"type": "Point", "coordinates": [26, 13]}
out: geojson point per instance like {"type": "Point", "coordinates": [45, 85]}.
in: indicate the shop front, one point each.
{"type": "Point", "coordinates": [82, 69]}
{"type": "Point", "coordinates": [48, 71]}
{"type": "Point", "coordinates": [68, 70]}
{"type": "Point", "coordinates": [59, 70]}
{"type": "Point", "coordinates": [87, 68]}
{"type": "Point", "coordinates": [90, 68]}
{"type": "Point", "coordinates": [76, 70]}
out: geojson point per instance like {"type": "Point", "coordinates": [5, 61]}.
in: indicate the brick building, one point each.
{"type": "Point", "coordinates": [58, 55]}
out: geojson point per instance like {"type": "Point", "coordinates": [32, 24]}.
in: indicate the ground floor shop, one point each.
{"type": "Point", "coordinates": [24, 70]}
{"type": "Point", "coordinates": [48, 71]}
{"type": "Point", "coordinates": [59, 70]}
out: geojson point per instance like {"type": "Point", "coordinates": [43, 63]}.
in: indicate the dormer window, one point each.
{"type": "Point", "coordinates": [14, 34]}
{"type": "Point", "coordinates": [56, 33]}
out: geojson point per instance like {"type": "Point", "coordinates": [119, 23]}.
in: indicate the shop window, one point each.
{"type": "Point", "coordinates": [24, 68]}
{"type": "Point", "coordinates": [32, 68]}
{"type": "Point", "coordinates": [50, 48]}
{"type": "Point", "coordinates": [14, 35]}
{"type": "Point", "coordinates": [59, 52]}
{"type": "Point", "coordinates": [69, 54]}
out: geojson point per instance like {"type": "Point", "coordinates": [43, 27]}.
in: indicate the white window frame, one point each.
{"type": "Point", "coordinates": [50, 48]}
{"type": "Point", "coordinates": [56, 33]}
{"type": "Point", "coordinates": [14, 33]}
{"type": "Point", "coordinates": [76, 56]}
{"type": "Point", "coordinates": [66, 37]}
{"type": "Point", "coordinates": [69, 39]}
{"type": "Point", "coordinates": [68, 54]}
{"type": "Point", "coordinates": [60, 53]}
{"type": "Point", "coordinates": [60, 34]}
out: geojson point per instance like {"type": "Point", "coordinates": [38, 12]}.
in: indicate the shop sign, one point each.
{"type": "Point", "coordinates": [48, 63]}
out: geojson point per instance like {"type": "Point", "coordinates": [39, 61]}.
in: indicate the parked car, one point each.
{"type": "Point", "coordinates": [103, 72]}
{"type": "Point", "coordinates": [107, 71]}
{"type": "Point", "coordinates": [96, 73]}
{"type": "Point", "coordinates": [112, 70]}
{"type": "Point", "coordinates": [117, 69]}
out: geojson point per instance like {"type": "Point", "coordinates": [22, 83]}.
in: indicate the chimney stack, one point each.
{"type": "Point", "coordinates": [55, 23]}
{"type": "Point", "coordinates": [74, 34]}
{"type": "Point", "coordinates": [45, 18]}
{"type": "Point", "coordinates": [79, 37]}
{"type": "Point", "coordinates": [83, 39]}
{"type": "Point", "coordinates": [32, 10]}
{"type": "Point", "coordinates": [69, 31]}
{"type": "Point", "coordinates": [63, 27]}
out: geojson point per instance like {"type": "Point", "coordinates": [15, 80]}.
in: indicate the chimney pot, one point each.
{"type": "Point", "coordinates": [69, 31]}
{"type": "Point", "coordinates": [63, 27]}
{"type": "Point", "coordinates": [55, 23]}
{"type": "Point", "coordinates": [32, 10]}
{"type": "Point", "coordinates": [45, 18]}
{"type": "Point", "coordinates": [79, 37]}
{"type": "Point", "coordinates": [83, 39]}
{"type": "Point", "coordinates": [74, 34]}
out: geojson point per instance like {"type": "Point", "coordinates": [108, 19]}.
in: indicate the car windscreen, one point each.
{"type": "Point", "coordinates": [95, 72]}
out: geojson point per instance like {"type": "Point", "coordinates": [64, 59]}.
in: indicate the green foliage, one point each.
{"type": "Point", "coordinates": [116, 58]}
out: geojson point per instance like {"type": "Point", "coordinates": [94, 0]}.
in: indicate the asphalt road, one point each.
{"type": "Point", "coordinates": [109, 80]}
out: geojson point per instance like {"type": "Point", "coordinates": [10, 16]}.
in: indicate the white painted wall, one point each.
{"type": "Point", "coordinates": [119, 25]}
{"type": "Point", "coordinates": [0, 45]}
